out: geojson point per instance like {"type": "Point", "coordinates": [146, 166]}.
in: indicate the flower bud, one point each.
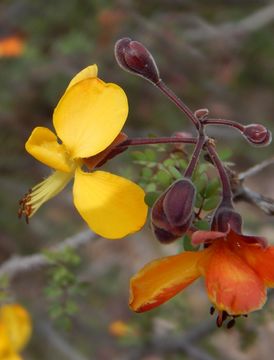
{"type": "Point", "coordinates": [178, 202]}
{"type": "Point", "coordinates": [168, 236]}
{"type": "Point", "coordinates": [132, 56]}
{"type": "Point", "coordinates": [257, 134]}
{"type": "Point", "coordinates": [172, 213]}
{"type": "Point", "coordinates": [224, 217]}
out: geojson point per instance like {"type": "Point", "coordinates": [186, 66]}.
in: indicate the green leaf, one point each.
{"type": "Point", "coordinates": [202, 225]}
{"type": "Point", "coordinates": [182, 164]}
{"type": "Point", "coordinates": [163, 178]}
{"type": "Point", "coordinates": [211, 203]}
{"type": "Point", "coordinates": [168, 162]}
{"type": "Point", "coordinates": [146, 173]}
{"type": "Point", "coordinates": [150, 155]}
{"type": "Point", "coordinates": [56, 310]}
{"type": "Point", "coordinates": [138, 155]}
{"type": "Point", "coordinates": [71, 307]}
{"type": "Point", "coordinates": [198, 201]}
{"type": "Point", "coordinates": [175, 173]}
{"type": "Point", "coordinates": [201, 182]}
{"type": "Point", "coordinates": [212, 188]}
{"type": "Point", "coordinates": [151, 197]}
{"type": "Point", "coordinates": [225, 154]}
{"type": "Point", "coordinates": [151, 187]}
{"type": "Point", "coordinates": [188, 245]}
{"type": "Point", "coordinates": [53, 292]}
{"type": "Point", "coordinates": [201, 169]}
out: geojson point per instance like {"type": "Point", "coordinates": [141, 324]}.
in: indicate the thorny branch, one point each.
{"type": "Point", "coordinates": [19, 264]}
{"type": "Point", "coordinates": [249, 24]}
{"type": "Point", "coordinates": [244, 193]}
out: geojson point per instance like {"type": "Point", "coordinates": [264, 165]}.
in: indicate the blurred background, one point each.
{"type": "Point", "coordinates": [213, 54]}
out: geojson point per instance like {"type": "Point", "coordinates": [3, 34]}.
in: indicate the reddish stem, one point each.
{"type": "Point", "coordinates": [227, 194]}
{"type": "Point", "coordinates": [230, 123]}
{"type": "Point", "coordinates": [195, 156]}
{"type": "Point", "coordinates": [178, 102]}
{"type": "Point", "coordinates": [159, 140]}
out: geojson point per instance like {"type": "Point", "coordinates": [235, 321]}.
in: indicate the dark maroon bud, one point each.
{"type": "Point", "coordinates": [158, 217]}
{"type": "Point", "coordinates": [201, 114]}
{"type": "Point", "coordinates": [164, 236]}
{"type": "Point", "coordinates": [257, 134]}
{"type": "Point", "coordinates": [179, 201]}
{"type": "Point", "coordinates": [224, 217]}
{"type": "Point", "coordinates": [169, 234]}
{"type": "Point", "coordinates": [132, 56]}
{"type": "Point", "coordinates": [172, 213]}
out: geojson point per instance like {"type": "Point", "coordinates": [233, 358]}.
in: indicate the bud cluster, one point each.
{"type": "Point", "coordinates": [173, 212]}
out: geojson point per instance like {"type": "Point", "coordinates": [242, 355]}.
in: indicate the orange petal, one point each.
{"type": "Point", "coordinates": [261, 260]}
{"type": "Point", "coordinates": [231, 284]}
{"type": "Point", "coordinates": [161, 279]}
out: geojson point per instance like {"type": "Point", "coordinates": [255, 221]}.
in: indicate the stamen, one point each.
{"type": "Point", "coordinates": [212, 310]}
{"type": "Point", "coordinates": [231, 323]}
{"type": "Point", "coordinates": [42, 192]}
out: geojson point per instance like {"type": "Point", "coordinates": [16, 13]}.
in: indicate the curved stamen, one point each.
{"type": "Point", "coordinates": [42, 192]}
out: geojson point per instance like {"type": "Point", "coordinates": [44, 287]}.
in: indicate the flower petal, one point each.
{"type": "Point", "coordinates": [231, 284]}
{"type": "Point", "coordinates": [16, 320]}
{"type": "Point", "coordinates": [43, 146]}
{"type": "Point", "coordinates": [112, 206]}
{"type": "Point", "coordinates": [89, 72]}
{"type": "Point", "coordinates": [89, 116]}
{"type": "Point", "coordinates": [261, 260]}
{"type": "Point", "coordinates": [111, 151]}
{"type": "Point", "coordinates": [202, 236]}
{"type": "Point", "coordinates": [161, 279]}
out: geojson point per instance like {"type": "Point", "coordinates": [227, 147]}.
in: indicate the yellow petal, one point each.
{"type": "Point", "coordinates": [89, 116]}
{"type": "Point", "coordinates": [161, 279]}
{"type": "Point", "coordinates": [17, 323]}
{"type": "Point", "coordinates": [112, 206]}
{"type": "Point", "coordinates": [43, 146]}
{"type": "Point", "coordinates": [89, 72]}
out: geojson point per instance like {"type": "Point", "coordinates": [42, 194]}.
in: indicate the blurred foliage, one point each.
{"type": "Point", "coordinates": [63, 286]}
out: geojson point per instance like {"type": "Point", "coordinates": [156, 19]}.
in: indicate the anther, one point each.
{"type": "Point", "coordinates": [212, 310]}
{"type": "Point", "coordinates": [231, 323]}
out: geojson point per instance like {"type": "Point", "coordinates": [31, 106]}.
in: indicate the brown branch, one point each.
{"type": "Point", "coordinates": [244, 193]}
{"type": "Point", "coordinates": [19, 264]}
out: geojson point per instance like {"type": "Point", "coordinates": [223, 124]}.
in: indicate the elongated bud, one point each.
{"type": "Point", "coordinates": [168, 236]}
{"type": "Point", "coordinates": [178, 202]}
{"type": "Point", "coordinates": [172, 213]}
{"type": "Point", "coordinates": [257, 134]}
{"type": "Point", "coordinates": [224, 217]}
{"type": "Point", "coordinates": [132, 56]}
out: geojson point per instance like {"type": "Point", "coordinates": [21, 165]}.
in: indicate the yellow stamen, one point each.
{"type": "Point", "coordinates": [42, 192]}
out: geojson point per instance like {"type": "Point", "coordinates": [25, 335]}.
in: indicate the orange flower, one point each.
{"type": "Point", "coordinates": [11, 46]}
{"type": "Point", "coordinates": [237, 271]}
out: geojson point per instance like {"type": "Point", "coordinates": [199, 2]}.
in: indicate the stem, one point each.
{"type": "Point", "coordinates": [159, 140]}
{"type": "Point", "coordinates": [230, 123]}
{"type": "Point", "coordinates": [227, 194]}
{"type": "Point", "coordinates": [178, 102]}
{"type": "Point", "coordinates": [195, 156]}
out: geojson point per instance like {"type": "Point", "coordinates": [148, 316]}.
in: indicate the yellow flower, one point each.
{"type": "Point", "coordinates": [15, 331]}
{"type": "Point", "coordinates": [119, 328]}
{"type": "Point", "coordinates": [88, 120]}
